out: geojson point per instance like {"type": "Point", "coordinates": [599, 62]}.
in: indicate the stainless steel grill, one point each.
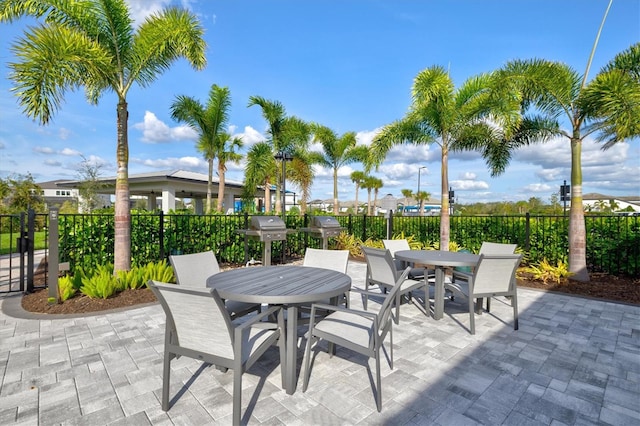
{"type": "Point", "coordinates": [324, 227]}
{"type": "Point", "coordinates": [266, 229]}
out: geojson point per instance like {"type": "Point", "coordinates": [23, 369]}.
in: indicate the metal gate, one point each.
{"type": "Point", "coordinates": [19, 259]}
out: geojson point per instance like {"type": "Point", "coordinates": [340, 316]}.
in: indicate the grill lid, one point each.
{"type": "Point", "coordinates": [324, 222]}
{"type": "Point", "coordinates": [267, 223]}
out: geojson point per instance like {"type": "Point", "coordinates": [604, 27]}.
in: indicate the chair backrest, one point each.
{"type": "Point", "coordinates": [192, 270]}
{"type": "Point", "coordinates": [497, 248]}
{"type": "Point", "coordinates": [336, 260]}
{"type": "Point", "coordinates": [396, 245]}
{"type": "Point", "coordinates": [385, 309]}
{"type": "Point", "coordinates": [199, 317]}
{"type": "Point", "coordinates": [381, 268]}
{"type": "Point", "coordinates": [494, 273]}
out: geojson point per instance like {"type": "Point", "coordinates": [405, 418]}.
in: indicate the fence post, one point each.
{"type": "Point", "coordinates": [364, 227]}
{"type": "Point", "coordinates": [31, 224]}
{"type": "Point", "coordinates": [161, 235]}
{"type": "Point", "coordinates": [350, 224]}
{"type": "Point", "coordinates": [52, 258]}
{"type": "Point", "coordinates": [246, 239]}
{"type": "Point", "coordinates": [390, 224]}
{"type": "Point", "coordinates": [527, 232]}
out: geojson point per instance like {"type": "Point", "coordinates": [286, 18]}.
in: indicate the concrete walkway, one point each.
{"type": "Point", "coordinates": [573, 361]}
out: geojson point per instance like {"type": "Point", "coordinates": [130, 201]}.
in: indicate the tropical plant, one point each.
{"type": "Point", "coordinates": [421, 197]}
{"type": "Point", "coordinates": [453, 119]}
{"type": "Point", "coordinates": [546, 272]}
{"type": "Point", "coordinates": [210, 123]}
{"type": "Point", "coordinates": [102, 284]}
{"type": "Point", "coordinates": [66, 289]}
{"type": "Point", "coordinates": [337, 151]}
{"type": "Point", "coordinates": [609, 107]}
{"type": "Point", "coordinates": [260, 168]}
{"type": "Point", "coordinates": [357, 177]}
{"type": "Point", "coordinates": [93, 44]}
{"type": "Point", "coordinates": [346, 241]}
{"type": "Point", "coordinates": [286, 134]}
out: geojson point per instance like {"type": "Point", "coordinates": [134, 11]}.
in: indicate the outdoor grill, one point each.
{"type": "Point", "coordinates": [324, 227]}
{"type": "Point", "coordinates": [266, 229]}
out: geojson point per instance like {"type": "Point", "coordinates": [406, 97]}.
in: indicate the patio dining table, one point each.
{"type": "Point", "coordinates": [288, 286]}
{"type": "Point", "coordinates": [441, 260]}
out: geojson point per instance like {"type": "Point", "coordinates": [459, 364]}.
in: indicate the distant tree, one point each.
{"type": "Point", "coordinates": [376, 184]}
{"type": "Point", "coordinates": [337, 151]}
{"type": "Point", "coordinates": [300, 172]}
{"type": "Point", "coordinates": [24, 194]}
{"type": "Point", "coordinates": [93, 44]}
{"type": "Point", "coordinates": [421, 197]}
{"type": "Point", "coordinates": [368, 183]}
{"type": "Point", "coordinates": [357, 177]}
{"type": "Point", "coordinates": [406, 193]}
{"type": "Point", "coordinates": [89, 175]}
{"type": "Point", "coordinates": [259, 170]}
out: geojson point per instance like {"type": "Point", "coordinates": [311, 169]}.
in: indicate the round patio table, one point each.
{"type": "Point", "coordinates": [282, 285]}
{"type": "Point", "coordinates": [440, 260]}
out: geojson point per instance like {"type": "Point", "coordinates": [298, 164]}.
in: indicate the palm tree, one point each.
{"type": "Point", "coordinates": [421, 197]}
{"type": "Point", "coordinates": [406, 193]}
{"type": "Point", "coordinates": [368, 184]}
{"type": "Point", "coordinates": [337, 152]}
{"type": "Point", "coordinates": [209, 122]}
{"type": "Point", "coordinates": [358, 178]}
{"type": "Point", "coordinates": [376, 184]}
{"type": "Point", "coordinates": [301, 173]}
{"type": "Point", "coordinates": [94, 44]}
{"type": "Point", "coordinates": [607, 106]}
{"type": "Point", "coordinates": [453, 119]}
{"type": "Point", "coordinates": [259, 170]}
{"type": "Point", "coordinates": [225, 153]}
{"type": "Point", "coordinates": [285, 134]}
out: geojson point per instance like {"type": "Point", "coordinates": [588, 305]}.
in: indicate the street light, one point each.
{"type": "Point", "coordinates": [283, 157]}
{"type": "Point", "coordinates": [418, 193]}
{"type": "Point", "coordinates": [565, 195]}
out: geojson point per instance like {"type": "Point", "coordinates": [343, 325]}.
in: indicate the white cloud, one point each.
{"type": "Point", "coordinates": [538, 187]}
{"type": "Point", "coordinates": [250, 136]}
{"type": "Point", "coordinates": [141, 9]}
{"type": "Point", "coordinates": [156, 131]}
{"type": "Point", "coordinates": [188, 163]}
{"type": "Point", "coordinates": [43, 150]}
{"type": "Point", "coordinates": [468, 185]}
{"type": "Point", "coordinates": [64, 133]}
{"type": "Point", "coordinates": [52, 163]}
{"type": "Point", "coordinates": [468, 176]}
{"type": "Point", "coordinates": [70, 152]}
{"type": "Point", "coordinates": [365, 137]}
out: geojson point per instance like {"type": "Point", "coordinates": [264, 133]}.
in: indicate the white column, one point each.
{"type": "Point", "coordinates": [198, 205]}
{"type": "Point", "coordinates": [168, 200]}
{"type": "Point", "coordinates": [228, 204]}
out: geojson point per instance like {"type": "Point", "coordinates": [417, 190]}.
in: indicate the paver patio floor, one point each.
{"type": "Point", "coordinates": [573, 361]}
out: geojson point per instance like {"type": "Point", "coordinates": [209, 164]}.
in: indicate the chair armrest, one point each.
{"type": "Point", "coordinates": [365, 292]}
{"type": "Point", "coordinates": [335, 308]}
{"type": "Point", "coordinates": [255, 321]}
{"type": "Point", "coordinates": [465, 275]}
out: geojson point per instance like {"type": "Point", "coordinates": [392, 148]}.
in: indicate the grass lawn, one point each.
{"type": "Point", "coordinates": [7, 246]}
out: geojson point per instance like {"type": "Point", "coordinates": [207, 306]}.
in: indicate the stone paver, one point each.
{"type": "Point", "coordinates": [573, 361]}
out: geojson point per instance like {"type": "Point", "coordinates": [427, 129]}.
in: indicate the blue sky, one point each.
{"type": "Point", "coordinates": [348, 65]}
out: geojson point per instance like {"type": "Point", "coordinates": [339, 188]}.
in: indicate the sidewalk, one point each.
{"type": "Point", "coordinates": [573, 361]}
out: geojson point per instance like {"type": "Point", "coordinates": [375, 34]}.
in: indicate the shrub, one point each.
{"type": "Point", "coordinates": [103, 284]}
{"type": "Point", "coordinates": [66, 289]}
{"type": "Point", "coordinates": [545, 271]}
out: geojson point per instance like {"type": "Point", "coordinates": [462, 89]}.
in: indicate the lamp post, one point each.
{"type": "Point", "coordinates": [452, 195]}
{"type": "Point", "coordinates": [565, 195]}
{"type": "Point", "coordinates": [283, 157]}
{"type": "Point", "coordinates": [418, 193]}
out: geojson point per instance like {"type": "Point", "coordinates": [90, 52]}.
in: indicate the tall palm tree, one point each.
{"type": "Point", "coordinates": [259, 170]}
{"type": "Point", "coordinates": [93, 44]}
{"type": "Point", "coordinates": [448, 117]}
{"type": "Point", "coordinates": [421, 197]}
{"type": "Point", "coordinates": [226, 146]}
{"type": "Point", "coordinates": [209, 122]}
{"type": "Point", "coordinates": [285, 134]}
{"type": "Point", "coordinates": [337, 151]}
{"type": "Point", "coordinates": [376, 184]}
{"type": "Point", "coordinates": [371, 183]}
{"type": "Point", "coordinates": [608, 106]}
{"type": "Point", "coordinates": [301, 173]}
{"type": "Point", "coordinates": [406, 193]}
{"type": "Point", "coordinates": [357, 177]}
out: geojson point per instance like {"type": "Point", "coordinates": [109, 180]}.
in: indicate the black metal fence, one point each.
{"type": "Point", "coordinates": [613, 242]}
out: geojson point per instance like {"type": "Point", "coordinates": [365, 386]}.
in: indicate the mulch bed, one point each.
{"type": "Point", "coordinates": [601, 286]}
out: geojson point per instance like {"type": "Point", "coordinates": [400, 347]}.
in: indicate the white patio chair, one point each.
{"type": "Point", "coordinates": [199, 326]}
{"type": "Point", "coordinates": [360, 331]}
{"type": "Point", "coordinates": [192, 270]}
{"type": "Point", "coordinates": [493, 276]}
{"type": "Point", "coordinates": [403, 244]}
{"type": "Point", "coordinates": [381, 271]}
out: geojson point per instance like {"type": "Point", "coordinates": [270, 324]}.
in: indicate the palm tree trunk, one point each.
{"type": "Point", "coordinates": [444, 204]}
{"type": "Point", "coordinates": [336, 207]}
{"type": "Point", "coordinates": [122, 236]}
{"type": "Point", "coordinates": [267, 195]}
{"type": "Point", "coordinates": [210, 185]}
{"type": "Point", "coordinates": [577, 231]}
{"type": "Point", "coordinates": [355, 207]}
{"type": "Point", "coordinates": [369, 202]}
{"type": "Point", "coordinates": [221, 183]}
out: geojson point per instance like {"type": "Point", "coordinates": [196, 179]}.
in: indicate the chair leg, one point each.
{"type": "Point", "coordinates": [390, 345]}
{"type": "Point", "coordinates": [378, 382]}
{"type": "Point", "coordinates": [281, 345]}
{"type": "Point", "coordinates": [166, 372]}
{"type": "Point", "coordinates": [307, 356]}
{"type": "Point", "coordinates": [488, 303]}
{"type": "Point", "coordinates": [237, 395]}
{"type": "Point", "coordinates": [514, 303]}
{"type": "Point", "coordinates": [472, 314]}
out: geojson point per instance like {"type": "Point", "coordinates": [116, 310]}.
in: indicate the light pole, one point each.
{"type": "Point", "coordinates": [418, 193]}
{"type": "Point", "coordinates": [565, 195]}
{"type": "Point", "coordinates": [284, 157]}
